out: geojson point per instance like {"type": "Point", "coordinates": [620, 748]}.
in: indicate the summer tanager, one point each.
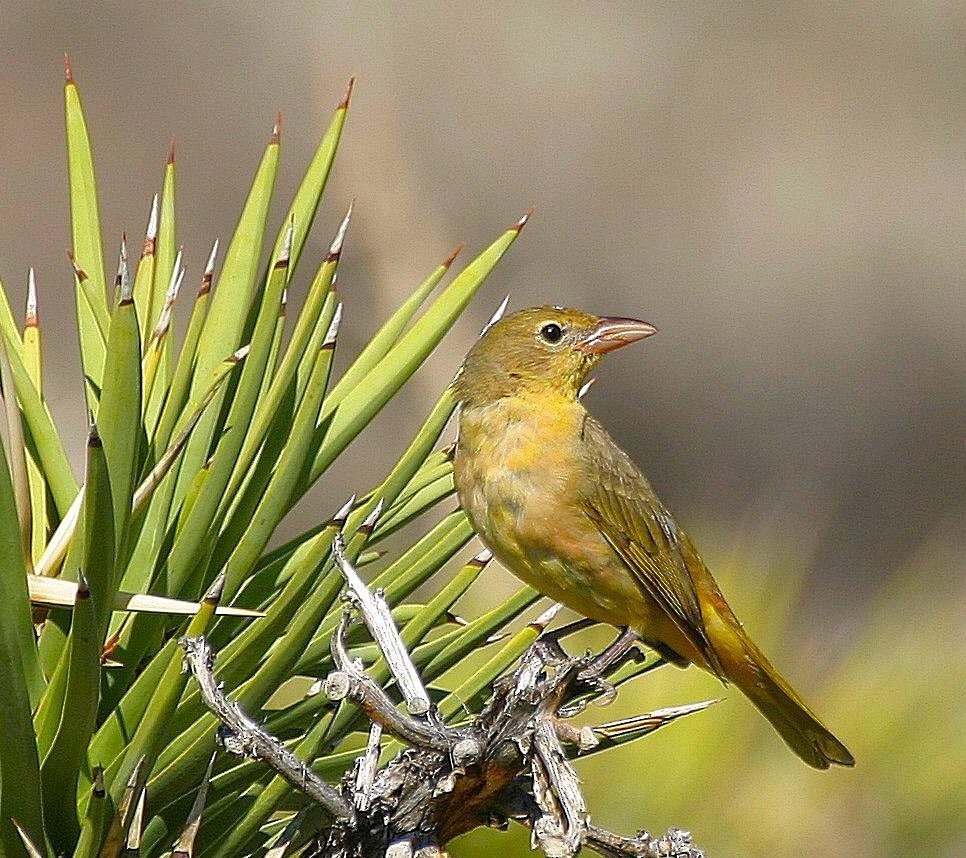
{"type": "Point", "coordinates": [565, 509]}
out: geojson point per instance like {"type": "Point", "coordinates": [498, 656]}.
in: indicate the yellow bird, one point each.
{"type": "Point", "coordinates": [566, 510]}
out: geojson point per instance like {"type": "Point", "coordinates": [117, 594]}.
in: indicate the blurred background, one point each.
{"type": "Point", "coordinates": [779, 187]}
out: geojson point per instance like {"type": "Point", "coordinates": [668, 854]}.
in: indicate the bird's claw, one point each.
{"type": "Point", "coordinates": [603, 694]}
{"type": "Point", "coordinates": [624, 646]}
{"type": "Point", "coordinates": [590, 670]}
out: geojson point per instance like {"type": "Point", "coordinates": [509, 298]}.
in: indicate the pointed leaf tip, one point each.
{"type": "Point", "coordinates": [32, 850]}
{"type": "Point", "coordinates": [520, 224]}
{"type": "Point", "coordinates": [209, 274]}
{"type": "Point", "coordinates": [151, 233]}
{"type": "Point", "coordinates": [170, 159]}
{"type": "Point", "coordinates": [210, 265]}
{"type": "Point", "coordinates": [79, 272]}
{"type": "Point", "coordinates": [344, 104]}
{"type": "Point", "coordinates": [152, 230]}
{"type": "Point", "coordinates": [30, 315]}
{"type": "Point", "coordinates": [123, 280]}
{"type": "Point", "coordinates": [648, 722]}
{"type": "Point", "coordinates": [277, 129]}
{"type": "Point", "coordinates": [335, 249]}
{"type": "Point", "coordinates": [174, 287]}
{"type": "Point", "coordinates": [332, 334]}
{"type": "Point", "coordinates": [369, 524]}
{"type": "Point", "coordinates": [343, 513]}
{"type": "Point", "coordinates": [448, 261]}
{"type": "Point", "coordinates": [497, 315]}
{"type": "Point", "coordinates": [213, 596]}
{"type": "Point", "coordinates": [68, 71]}
{"type": "Point", "coordinates": [174, 284]}
{"type": "Point", "coordinates": [547, 616]}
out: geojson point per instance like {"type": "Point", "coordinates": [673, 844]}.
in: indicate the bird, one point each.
{"type": "Point", "coordinates": [565, 509]}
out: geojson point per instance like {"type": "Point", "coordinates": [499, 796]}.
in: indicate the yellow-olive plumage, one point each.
{"type": "Point", "coordinates": [566, 510]}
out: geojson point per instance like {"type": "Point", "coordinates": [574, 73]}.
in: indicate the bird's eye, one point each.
{"type": "Point", "coordinates": [551, 333]}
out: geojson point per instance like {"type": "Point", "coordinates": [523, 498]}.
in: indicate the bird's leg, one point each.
{"type": "Point", "coordinates": [557, 635]}
{"type": "Point", "coordinates": [614, 653]}
{"type": "Point", "coordinates": [551, 640]}
{"type": "Point", "coordinates": [593, 673]}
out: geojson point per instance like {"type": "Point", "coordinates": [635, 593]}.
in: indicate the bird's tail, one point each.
{"type": "Point", "coordinates": [747, 667]}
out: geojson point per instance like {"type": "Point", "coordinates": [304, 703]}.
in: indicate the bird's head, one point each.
{"type": "Point", "coordinates": [539, 350]}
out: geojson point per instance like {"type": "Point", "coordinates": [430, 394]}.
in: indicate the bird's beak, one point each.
{"type": "Point", "coordinates": [612, 332]}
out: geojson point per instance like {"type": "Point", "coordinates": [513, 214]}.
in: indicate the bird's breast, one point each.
{"type": "Point", "coordinates": [514, 467]}
{"type": "Point", "coordinates": [519, 475]}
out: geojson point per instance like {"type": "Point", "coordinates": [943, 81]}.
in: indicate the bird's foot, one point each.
{"type": "Point", "coordinates": [593, 673]}
{"type": "Point", "coordinates": [592, 669]}
{"type": "Point", "coordinates": [549, 643]}
{"type": "Point", "coordinates": [625, 646]}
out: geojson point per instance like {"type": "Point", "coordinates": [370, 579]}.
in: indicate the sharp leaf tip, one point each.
{"type": "Point", "coordinates": [520, 224]}
{"type": "Point", "coordinates": [456, 252]}
{"type": "Point", "coordinates": [344, 104]}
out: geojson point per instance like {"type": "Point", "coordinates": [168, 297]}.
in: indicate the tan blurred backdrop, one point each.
{"type": "Point", "coordinates": [780, 187]}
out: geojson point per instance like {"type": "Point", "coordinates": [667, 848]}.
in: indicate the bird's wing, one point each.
{"type": "Point", "coordinates": [630, 516]}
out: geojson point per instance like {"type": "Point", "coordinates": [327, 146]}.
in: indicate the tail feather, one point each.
{"type": "Point", "coordinates": [748, 668]}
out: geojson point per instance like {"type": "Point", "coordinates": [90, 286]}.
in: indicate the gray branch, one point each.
{"type": "Point", "coordinates": [675, 844]}
{"type": "Point", "coordinates": [377, 616]}
{"type": "Point", "coordinates": [509, 763]}
{"type": "Point", "coordinates": [349, 680]}
{"type": "Point", "coordinates": [247, 738]}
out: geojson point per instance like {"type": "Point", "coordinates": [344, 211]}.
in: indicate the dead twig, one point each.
{"type": "Point", "coordinates": [508, 763]}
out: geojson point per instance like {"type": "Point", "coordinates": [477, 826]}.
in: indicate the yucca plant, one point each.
{"type": "Point", "coordinates": [196, 452]}
{"type": "Point", "coordinates": [198, 447]}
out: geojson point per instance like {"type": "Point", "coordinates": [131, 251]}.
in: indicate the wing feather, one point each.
{"type": "Point", "coordinates": [630, 516]}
